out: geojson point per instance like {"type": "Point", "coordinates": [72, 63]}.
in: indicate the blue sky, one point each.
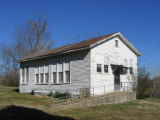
{"type": "Point", "coordinates": [72, 20]}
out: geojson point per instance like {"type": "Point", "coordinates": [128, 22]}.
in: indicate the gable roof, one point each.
{"type": "Point", "coordinates": [86, 44]}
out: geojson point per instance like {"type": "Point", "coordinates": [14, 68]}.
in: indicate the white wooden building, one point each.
{"type": "Point", "coordinates": [103, 64]}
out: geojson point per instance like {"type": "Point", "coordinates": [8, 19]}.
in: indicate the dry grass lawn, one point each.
{"type": "Point", "coordinates": [29, 107]}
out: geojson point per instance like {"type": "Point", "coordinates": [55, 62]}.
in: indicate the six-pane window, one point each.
{"type": "Point", "coordinates": [99, 67]}
{"type": "Point", "coordinates": [106, 68]}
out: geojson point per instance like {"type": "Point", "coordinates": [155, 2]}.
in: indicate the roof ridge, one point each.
{"type": "Point", "coordinates": [72, 46]}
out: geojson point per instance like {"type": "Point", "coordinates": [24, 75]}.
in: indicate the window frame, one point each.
{"type": "Point", "coordinates": [105, 69]}
{"type": "Point", "coordinates": [67, 77]}
{"type": "Point", "coordinates": [27, 75]}
{"type": "Point", "coordinates": [41, 74]}
{"type": "Point", "coordinates": [54, 73]}
{"type": "Point", "coordinates": [46, 80]}
{"type": "Point", "coordinates": [23, 75]}
{"type": "Point", "coordinates": [60, 82]}
{"type": "Point", "coordinates": [36, 76]}
{"type": "Point", "coordinates": [116, 43]}
{"type": "Point", "coordinates": [99, 69]}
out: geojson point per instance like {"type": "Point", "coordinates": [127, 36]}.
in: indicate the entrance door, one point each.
{"type": "Point", "coordinates": [117, 79]}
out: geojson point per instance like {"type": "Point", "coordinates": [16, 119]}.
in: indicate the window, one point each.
{"type": "Point", "coordinates": [23, 74]}
{"type": "Point", "coordinates": [41, 78]}
{"type": "Point", "coordinates": [27, 75]}
{"type": "Point", "coordinates": [54, 77]}
{"type": "Point", "coordinates": [60, 77]}
{"type": "Point", "coordinates": [99, 66]}
{"type": "Point", "coordinates": [46, 77]}
{"type": "Point", "coordinates": [67, 76]}
{"type": "Point", "coordinates": [106, 68]}
{"type": "Point", "coordinates": [116, 43]}
{"type": "Point", "coordinates": [131, 70]}
{"type": "Point", "coordinates": [37, 78]}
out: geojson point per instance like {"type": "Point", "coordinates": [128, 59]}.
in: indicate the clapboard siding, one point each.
{"type": "Point", "coordinates": [116, 56]}
{"type": "Point", "coordinates": [79, 73]}
{"type": "Point", "coordinates": [83, 66]}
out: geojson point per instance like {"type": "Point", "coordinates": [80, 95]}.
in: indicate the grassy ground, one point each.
{"type": "Point", "coordinates": [28, 106]}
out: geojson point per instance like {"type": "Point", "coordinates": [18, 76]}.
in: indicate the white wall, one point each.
{"type": "Point", "coordinates": [79, 73]}
{"type": "Point", "coordinates": [116, 55]}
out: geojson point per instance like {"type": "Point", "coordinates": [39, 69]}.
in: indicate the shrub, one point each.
{"type": "Point", "coordinates": [50, 94]}
{"type": "Point", "coordinates": [32, 92]}
{"type": "Point", "coordinates": [61, 95]}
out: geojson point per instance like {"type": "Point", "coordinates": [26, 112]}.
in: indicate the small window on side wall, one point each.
{"type": "Point", "coordinates": [106, 68]}
{"type": "Point", "coordinates": [99, 68]}
{"type": "Point", "coordinates": [116, 43]}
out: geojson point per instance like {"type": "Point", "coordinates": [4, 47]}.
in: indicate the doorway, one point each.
{"type": "Point", "coordinates": [117, 71]}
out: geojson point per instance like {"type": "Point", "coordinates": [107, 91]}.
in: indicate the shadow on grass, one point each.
{"type": "Point", "coordinates": [21, 113]}
{"type": "Point", "coordinates": [16, 90]}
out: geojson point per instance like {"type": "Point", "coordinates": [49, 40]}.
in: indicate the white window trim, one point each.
{"type": "Point", "coordinates": [116, 43]}
{"type": "Point", "coordinates": [53, 77]}
{"type": "Point", "coordinates": [107, 68]}
{"type": "Point", "coordinates": [39, 73]}
{"type": "Point", "coordinates": [50, 72]}
{"type": "Point", "coordinates": [64, 81]}
{"type": "Point", "coordinates": [57, 75]}
{"type": "Point", "coordinates": [101, 68]}
{"type": "Point", "coordinates": [21, 76]}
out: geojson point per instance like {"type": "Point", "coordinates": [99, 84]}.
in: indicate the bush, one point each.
{"type": "Point", "coordinates": [61, 95]}
{"type": "Point", "coordinates": [50, 94]}
{"type": "Point", "coordinates": [32, 92]}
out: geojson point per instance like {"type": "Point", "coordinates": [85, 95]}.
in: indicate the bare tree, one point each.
{"type": "Point", "coordinates": [33, 37]}
{"type": "Point", "coordinates": [143, 82]}
{"type": "Point", "coordinates": [8, 66]}
{"type": "Point", "coordinates": [30, 38]}
{"type": "Point", "coordinates": [155, 87]}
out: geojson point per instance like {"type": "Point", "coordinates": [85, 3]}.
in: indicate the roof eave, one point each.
{"type": "Point", "coordinates": [51, 55]}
